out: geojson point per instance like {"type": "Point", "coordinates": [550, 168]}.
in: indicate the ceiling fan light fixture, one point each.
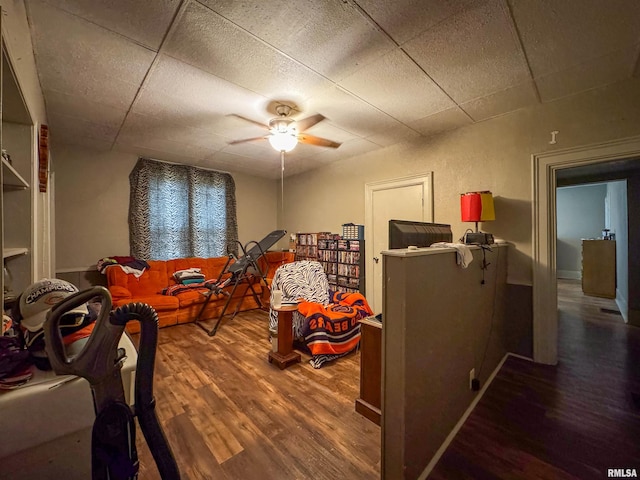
{"type": "Point", "coordinates": [283, 141]}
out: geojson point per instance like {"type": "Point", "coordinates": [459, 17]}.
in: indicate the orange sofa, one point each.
{"type": "Point", "coordinates": [184, 307]}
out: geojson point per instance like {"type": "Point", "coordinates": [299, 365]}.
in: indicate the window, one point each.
{"type": "Point", "coordinates": [178, 211]}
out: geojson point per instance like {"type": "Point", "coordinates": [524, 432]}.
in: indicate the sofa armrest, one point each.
{"type": "Point", "coordinates": [119, 293]}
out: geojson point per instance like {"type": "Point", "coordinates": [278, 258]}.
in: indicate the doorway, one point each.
{"type": "Point", "coordinates": [587, 212]}
{"type": "Point", "coordinates": [545, 169]}
{"type": "Point", "coordinates": [408, 198]}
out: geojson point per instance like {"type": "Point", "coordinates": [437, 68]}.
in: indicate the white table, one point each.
{"type": "Point", "coordinates": [46, 425]}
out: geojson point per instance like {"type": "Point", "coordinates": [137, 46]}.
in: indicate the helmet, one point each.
{"type": "Point", "coordinates": [34, 304]}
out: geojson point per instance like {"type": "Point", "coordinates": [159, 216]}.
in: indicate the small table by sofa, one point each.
{"type": "Point", "coordinates": [285, 356]}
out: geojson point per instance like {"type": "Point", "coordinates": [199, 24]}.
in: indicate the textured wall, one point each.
{"type": "Point", "coordinates": [92, 205]}
{"type": "Point", "coordinates": [493, 155]}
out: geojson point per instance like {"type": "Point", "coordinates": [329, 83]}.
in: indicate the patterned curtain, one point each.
{"type": "Point", "coordinates": [178, 211]}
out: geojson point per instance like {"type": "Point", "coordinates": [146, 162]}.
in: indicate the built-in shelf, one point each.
{"type": "Point", "coordinates": [11, 176]}
{"type": "Point", "coordinates": [14, 252]}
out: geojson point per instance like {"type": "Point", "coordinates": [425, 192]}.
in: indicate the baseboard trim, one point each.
{"type": "Point", "coordinates": [623, 306]}
{"type": "Point", "coordinates": [447, 441]}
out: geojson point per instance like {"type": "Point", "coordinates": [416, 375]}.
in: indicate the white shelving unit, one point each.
{"type": "Point", "coordinates": [10, 177]}
{"type": "Point", "coordinates": [17, 137]}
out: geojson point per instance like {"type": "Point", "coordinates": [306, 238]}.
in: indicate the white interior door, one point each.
{"type": "Point", "coordinates": [404, 199]}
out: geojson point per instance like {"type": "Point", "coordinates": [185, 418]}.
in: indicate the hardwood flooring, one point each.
{"type": "Point", "coordinates": [575, 420]}
{"type": "Point", "coordinates": [229, 414]}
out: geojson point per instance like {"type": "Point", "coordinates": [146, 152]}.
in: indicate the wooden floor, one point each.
{"type": "Point", "coordinates": [570, 421]}
{"type": "Point", "coordinates": [229, 414]}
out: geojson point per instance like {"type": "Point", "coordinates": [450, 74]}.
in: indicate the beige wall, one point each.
{"type": "Point", "coordinates": [493, 155]}
{"type": "Point", "coordinates": [92, 205]}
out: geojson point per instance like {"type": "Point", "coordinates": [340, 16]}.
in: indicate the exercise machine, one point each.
{"type": "Point", "coordinates": [238, 271]}
{"type": "Point", "coordinates": [113, 438]}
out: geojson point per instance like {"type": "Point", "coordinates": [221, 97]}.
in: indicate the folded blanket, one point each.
{"type": "Point", "coordinates": [188, 274]}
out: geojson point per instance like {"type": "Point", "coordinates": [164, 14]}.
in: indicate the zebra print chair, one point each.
{"type": "Point", "coordinates": [303, 279]}
{"type": "Point", "coordinates": [330, 328]}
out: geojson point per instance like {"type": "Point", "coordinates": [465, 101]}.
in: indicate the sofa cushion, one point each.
{"type": "Point", "coordinates": [151, 282]}
{"type": "Point", "coordinates": [161, 303]}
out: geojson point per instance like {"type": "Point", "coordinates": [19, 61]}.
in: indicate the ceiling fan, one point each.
{"type": "Point", "coordinates": [285, 132]}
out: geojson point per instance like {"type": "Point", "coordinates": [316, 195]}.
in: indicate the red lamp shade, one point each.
{"type": "Point", "coordinates": [477, 207]}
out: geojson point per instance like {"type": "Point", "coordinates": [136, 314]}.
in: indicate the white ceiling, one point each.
{"type": "Point", "coordinates": [160, 78]}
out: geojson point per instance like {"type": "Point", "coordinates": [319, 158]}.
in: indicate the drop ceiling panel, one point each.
{"type": "Point", "coordinates": [458, 61]}
{"type": "Point", "coordinates": [557, 35]}
{"type": "Point", "coordinates": [207, 41]}
{"type": "Point", "coordinates": [348, 149]}
{"type": "Point", "coordinates": [601, 71]}
{"type": "Point", "coordinates": [178, 149]}
{"type": "Point", "coordinates": [79, 58]}
{"type": "Point", "coordinates": [397, 86]}
{"type": "Point", "coordinates": [144, 22]}
{"type": "Point", "coordinates": [150, 127]}
{"type": "Point", "coordinates": [267, 167]}
{"type": "Point", "coordinates": [393, 135]}
{"type": "Point", "coordinates": [157, 152]}
{"type": "Point", "coordinates": [72, 128]}
{"type": "Point", "coordinates": [258, 149]}
{"type": "Point", "coordinates": [351, 113]}
{"type": "Point", "coordinates": [405, 19]}
{"type": "Point", "coordinates": [472, 54]}
{"type": "Point", "coordinates": [330, 37]}
{"type": "Point", "coordinates": [190, 85]}
{"type": "Point", "coordinates": [442, 121]}
{"type": "Point", "coordinates": [498, 103]}
{"type": "Point", "coordinates": [83, 108]}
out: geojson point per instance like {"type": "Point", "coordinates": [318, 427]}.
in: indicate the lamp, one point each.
{"type": "Point", "coordinates": [477, 207]}
{"type": "Point", "coordinates": [284, 135]}
{"type": "Point", "coordinates": [283, 141]}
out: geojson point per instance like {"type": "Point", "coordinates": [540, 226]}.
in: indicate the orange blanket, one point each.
{"type": "Point", "coordinates": [334, 329]}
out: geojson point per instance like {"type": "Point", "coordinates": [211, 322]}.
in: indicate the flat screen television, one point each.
{"type": "Point", "coordinates": [403, 233]}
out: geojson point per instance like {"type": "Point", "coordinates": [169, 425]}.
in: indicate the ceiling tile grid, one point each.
{"type": "Point", "coordinates": [143, 22]}
{"type": "Point", "coordinates": [171, 78]}
{"type": "Point", "coordinates": [472, 54]}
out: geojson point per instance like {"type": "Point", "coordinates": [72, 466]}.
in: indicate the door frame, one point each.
{"type": "Point", "coordinates": [545, 167]}
{"type": "Point", "coordinates": [425, 179]}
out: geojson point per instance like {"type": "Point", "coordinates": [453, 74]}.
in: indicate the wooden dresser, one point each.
{"type": "Point", "coordinates": [599, 268]}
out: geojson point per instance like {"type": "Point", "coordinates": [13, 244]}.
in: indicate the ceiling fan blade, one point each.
{"type": "Point", "coordinates": [261, 125]}
{"type": "Point", "coordinates": [235, 142]}
{"type": "Point", "coordinates": [309, 122]}
{"type": "Point", "coordinates": [320, 142]}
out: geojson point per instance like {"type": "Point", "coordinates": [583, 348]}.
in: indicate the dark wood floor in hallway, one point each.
{"type": "Point", "coordinates": [230, 414]}
{"type": "Point", "coordinates": [575, 420]}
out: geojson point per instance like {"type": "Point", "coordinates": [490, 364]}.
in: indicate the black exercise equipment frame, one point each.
{"type": "Point", "coordinates": [239, 270]}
